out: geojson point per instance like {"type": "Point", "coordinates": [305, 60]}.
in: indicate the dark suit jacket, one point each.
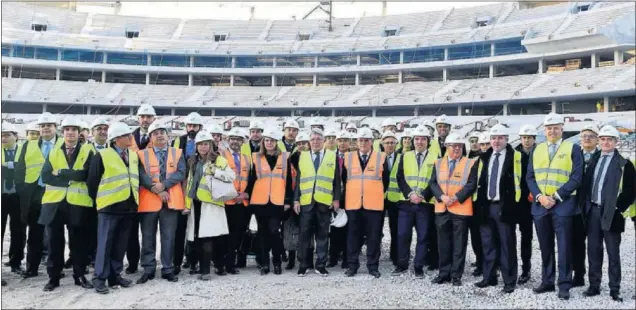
{"type": "Point", "coordinates": [295, 159]}
{"type": "Point", "coordinates": [136, 134]}
{"type": "Point", "coordinates": [463, 194]}
{"type": "Point", "coordinates": [569, 205]}
{"type": "Point", "coordinates": [613, 202]}
{"type": "Point", "coordinates": [8, 175]}
{"type": "Point", "coordinates": [507, 192]}
{"type": "Point", "coordinates": [78, 215]}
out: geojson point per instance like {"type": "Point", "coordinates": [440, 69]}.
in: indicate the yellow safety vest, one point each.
{"type": "Point", "coordinates": [246, 150]}
{"type": "Point", "coordinates": [416, 177]}
{"type": "Point", "coordinates": [517, 175]}
{"type": "Point", "coordinates": [435, 148]}
{"type": "Point", "coordinates": [118, 180]}
{"type": "Point", "coordinates": [552, 175]}
{"type": "Point", "coordinates": [376, 145]}
{"type": "Point", "coordinates": [321, 180]}
{"type": "Point", "coordinates": [77, 192]}
{"type": "Point", "coordinates": [34, 159]}
{"type": "Point", "coordinates": [281, 146]}
{"type": "Point", "coordinates": [393, 193]}
{"type": "Point", "coordinates": [204, 193]}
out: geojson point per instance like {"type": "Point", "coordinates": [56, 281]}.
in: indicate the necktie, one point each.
{"type": "Point", "coordinates": [316, 160]}
{"type": "Point", "coordinates": [552, 150]}
{"type": "Point", "coordinates": [364, 158]}
{"type": "Point", "coordinates": [391, 161]}
{"type": "Point", "coordinates": [494, 174]}
{"type": "Point", "coordinates": [451, 168]}
{"type": "Point", "coordinates": [587, 157]}
{"type": "Point", "coordinates": [124, 157]}
{"type": "Point", "coordinates": [237, 162]}
{"type": "Point", "coordinates": [419, 160]}
{"type": "Point", "coordinates": [69, 152]}
{"type": "Point", "coordinates": [597, 180]}
{"type": "Point", "coordinates": [144, 138]}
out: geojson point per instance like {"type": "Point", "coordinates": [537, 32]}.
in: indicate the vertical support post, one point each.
{"type": "Point", "coordinates": [606, 104]}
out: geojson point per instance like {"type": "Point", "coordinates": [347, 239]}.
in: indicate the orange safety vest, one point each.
{"type": "Point", "coordinates": [149, 201]}
{"type": "Point", "coordinates": [135, 148]}
{"type": "Point", "coordinates": [364, 189]}
{"type": "Point", "coordinates": [240, 182]}
{"type": "Point", "coordinates": [270, 184]}
{"type": "Point", "coordinates": [450, 186]}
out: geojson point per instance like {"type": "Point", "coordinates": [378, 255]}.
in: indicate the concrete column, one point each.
{"type": "Point", "coordinates": [149, 60]}
{"type": "Point", "coordinates": [292, 113]}
{"type": "Point", "coordinates": [541, 65]}
{"type": "Point", "coordinates": [147, 78]}
{"type": "Point", "coordinates": [358, 59]}
{"type": "Point", "coordinates": [594, 60]}
{"type": "Point", "coordinates": [57, 74]}
{"type": "Point", "coordinates": [103, 76]}
{"type": "Point", "coordinates": [59, 54]}
{"type": "Point", "coordinates": [357, 78]}
{"type": "Point", "coordinates": [492, 49]}
{"type": "Point", "coordinates": [233, 61]}
{"type": "Point", "coordinates": [416, 111]}
{"type": "Point", "coordinates": [618, 57]}
{"type": "Point", "coordinates": [253, 113]}
{"type": "Point", "coordinates": [172, 111]}
{"type": "Point", "coordinates": [505, 109]}
{"type": "Point", "coordinates": [315, 80]}
{"type": "Point", "coordinates": [554, 106]}
{"type": "Point", "coordinates": [44, 106]}
{"type": "Point", "coordinates": [445, 75]}
{"type": "Point", "coordinates": [273, 80]}
{"type": "Point", "coordinates": [316, 62]}
{"type": "Point", "coordinates": [213, 112]}
{"type": "Point", "coordinates": [10, 72]}
{"type": "Point", "coordinates": [191, 61]}
{"type": "Point", "coordinates": [231, 80]}
{"type": "Point", "coordinates": [459, 110]}
{"type": "Point", "coordinates": [491, 71]}
{"type": "Point", "coordinates": [274, 62]}
{"type": "Point", "coordinates": [131, 111]}
{"type": "Point", "coordinates": [333, 112]}
{"type": "Point", "coordinates": [606, 104]}
{"type": "Point", "coordinates": [374, 112]}
{"type": "Point", "coordinates": [190, 79]}
{"type": "Point", "coordinates": [88, 110]}
{"type": "Point", "coordinates": [11, 51]}
{"type": "Point", "coordinates": [446, 53]}
{"type": "Point", "coordinates": [105, 57]}
{"type": "Point", "coordinates": [400, 76]}
{"type": "Point", "coordinates": [401, 57]}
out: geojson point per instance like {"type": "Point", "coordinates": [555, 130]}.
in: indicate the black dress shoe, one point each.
{"type": "Point", "coordinates": [578, 281]}
{"type": "Point", "coordinates": [432, 267]}
{"type": "Point", "coordinates": [344, 265]}
{"type": "Point", "coordinates": [616, 296]}
{"type": "Point", "coordinates": [170, 277]}
{"type": "Point", "coordinates": [440, 280]}
{"type": "Point", "coordinates": [131, 270]}
{"type": "Point", "coordinates": [376, 274]}
{"type": "Point", "coordinates": [144, 278]}
{"type": "Point", "coordinates": [486, 283]}
{"type": "Point", "coordinates": [543, 289]}
{"type": "Point", "coordinates": [477, 272]}
{"type": "Point", "coordinates": [232, 271]}
{"type": "Point", "coordinates": [350, 272]}
{"type": "Point", "coordinates": [591, 291]}
{"type": "Point", "coordinates": [564, 295]}
{"type": "Point", "coordinates": [177, 270]}
{"type": "Point", "coordinates": [524, 278]}
{"type": "Point", "coordinates": [30, 274]}
{"type": "Point", "coordinates": [241, 263]}
{"type": "Point", "coordinates": [17, 270]}
{"type": "Point", "coordinates": [7, 264]}
{"type": "Point", "coordinates": [51, 285]}
{"type": "Point", "coordinates": [4, 283]}
{"type": "Point", "coordinates": [68, 263]}
{"type": "Point", "coordinates": [278, 270]}
{"type": "Point", "coordinates": [508, 289]}
{"type": "Point", "coordinates": [81, 281]}
{"type": "Point", "coordinates": [290, 265]}
{"type": "Point", "coordinates": [100, 287]}
{"type": "Point", "coordinates": [398, 271]}
{"type": "Point", "coordinates": [264, 271]}
{"type": "Point", "coordinates": [186, 264]}
{"type": "Point", "coordinates": [321, 271]}
{"type": "Point", "coordinates": [220, 272]}
{"type": "Point", "coordinates": [194, 271]}
{"type": "Point", "coordinates": [332, 264]}
{"type": "Point", "coordinates": [457, 282]}
{"type": "Point", "coordinates": [419, 273]}
{"type": "Point", "coordinates": [121, 282]}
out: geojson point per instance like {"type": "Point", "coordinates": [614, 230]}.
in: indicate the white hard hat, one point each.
{"type": "Point", "coordinates": [407, 133]}
{"type": "Point", "coordinates": [118, 129]}
{"type": "Point", "coordinates": [339, 219]}
{"type": "Point", "coordinates": [351, 126]}
{"type": "Point", "coordinates": [256, 124]}
{"type": "Point", "coordinates": [98, 122]}
{"type": "Point", "coordinates": [236, 132]}
{"type": "Point", "coordinates": [376, 129]}
{"type": "Point", "coordinates": [46, 118]}
{"type": "Point", "coordinates": [8, 127]}
{"type": "Point", "coordinates": [421, 131]}
{"type": "Point", "coordinates": [72, 122]}
{"type": "Point", "coordinates": [473, 134]}
{"type": "Point", "coordinates": [32, 126]}
{"type": "Point", "coordinates": [388, 122]}
{"type": "Point", "coordinates": [156, 125]}
{"type": "Point", "coordinates": [203, 135]}
{"type": "Point", "coordinates": [331, 133]}
{"type": "Point", "coordinates": [609, 131]}
{"type": "Point", "coordinates": [84, 125]}
{"type": "Point", "coordinates": [498, 130]}
{"type": "Point", "coordinates": [454, 138]}
{"type": "Point", "coordinates": [215, 129]}
{"type": "Point", "coordinates": [365, 133]}
{"type": "Point", "coordinates": [302, 136]}
{"type": "Point", "coordinates": [590, 127]}
{"type": "Point", "coordinates": [442, 119]}
{"type": "Point", "coordinates": [527, 130]}
{"type": "Point", "coordinates": [146, 109]}
{"type": "Point", "coordinates": [343, 134]}
{"type": "Point", "coordinates": [552, 119]}
{"type": "Point", "coordinates": [272, 134]}
{"type": "Point", "coordinates": [388, 134]}
{"type": "Point", "coordinates": [484, 137]}
{"type": "Point", "coordinates": [194, 118]}
{"type": "Point", "coordinates": [291, 124]}
{"type": "Point", "coordinates": [316, 122]}
{"type": "Point", "coordinates": [427, 123]}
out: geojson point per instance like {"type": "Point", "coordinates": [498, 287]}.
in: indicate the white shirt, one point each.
{"type": "Point", "coordinates": [502, 157]}
{"type": "Point", "coordinates": [322, 155]}
{"type": "Point", "coordinates": [421, 157]}
{"type": "Point", "coordinates": [390, 159]}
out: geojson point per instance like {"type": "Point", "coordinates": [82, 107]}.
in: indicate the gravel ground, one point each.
{"type": "Point", "coordinates": [250, 290]}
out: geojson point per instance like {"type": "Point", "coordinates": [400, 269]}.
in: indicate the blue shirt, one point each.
{"type": "Point", "coordinates": [190, 147]}
{"type": "Point", "coordinates": [162, 156]}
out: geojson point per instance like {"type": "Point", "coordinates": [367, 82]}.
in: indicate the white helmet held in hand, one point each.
{"type": "Point", "coordinates": [146, 109]}
{"type": "Point", "coordinates": [339, 219]}
{"type": "Point", "coordinates": [118, 129]}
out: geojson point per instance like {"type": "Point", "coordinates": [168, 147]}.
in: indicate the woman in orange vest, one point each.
{"type": "Point", "coordinates": [269, 188]}
{"type": "Point", "coordinates": [453, 182]}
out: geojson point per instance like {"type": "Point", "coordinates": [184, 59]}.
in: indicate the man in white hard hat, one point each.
{"type": "Point", "coordinates": [194, 124]}
{"type": "Point", "coordinates": [499, 191]}
{"type": "Point", "coordinates": [453, 182]}
{"type": "Point", "coordinates": [29, 184]}
{"type": "Point", "coordinates": [115, 167]}
{"type": "Point", "coordinates": [217, 135]}
{"type": "Point", "coordinates": [11, 199]}
{"type": "Point", "coordinates": [287, 143]}
{"type": "Point", "coordinates": [555, 171]}
{"type": "Point", "coordinates": [316, 123]}
{"type": "Point", "coordinates": [389, 124]}
{"type": "Point", "coordinates": [604, 197]}
{"type": "Point", "coordinates": [392, 197]}
{"type": "Point", "coordinates": [589, 142]}
{"type": "Point", "coordinates": [351, 127]}
{"type": "Point", "coordinates": [330, 140]}
{"type": "Point", "coordinates": [32, 131]}
{"type": "Point", "coordinates": [473, 141]}
{"type": "Point", "coordinates": [146, 116]}
{"type": "Point", "coordinates": [99, 128]}
{"type": "Point", "coordinates": [84, 132]}
{"type": "Point", "coordinates": [528, 135]}
{"type": "Point", "coordinates": [302, 142]}
{"type": "Point", "coordinates": [484, 142]}
{"type": "Point", "coordinates": [338, 235]}
{"type": "Point", "coordinates": [443, 126]}
{"type": "Point", "coordinates": [366, 178]}
{"type": "Point", "coordinates": [161, 201]}
{"type": "Point", "coordinates": [66, 202]}
{"type": "Point", "coordinates": [256, 135]}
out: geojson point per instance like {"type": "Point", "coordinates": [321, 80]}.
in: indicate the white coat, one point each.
{"type": "Point", "coordinates": [213, 220]}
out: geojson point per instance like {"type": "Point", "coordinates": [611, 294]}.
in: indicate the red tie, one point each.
{"type": "Point", "coordinates": [124, 157]}
{"type": "Point", "coordinates": [340, 162]}
{"type": "Point", "coordinates": [69, 152]}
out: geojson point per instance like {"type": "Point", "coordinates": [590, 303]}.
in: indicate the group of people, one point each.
{"type": "Point", "coordinates": [204, 187]}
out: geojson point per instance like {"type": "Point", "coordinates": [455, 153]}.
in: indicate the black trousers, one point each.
{"type": "Point", "coordinates": [499, 240]}
{"type": "Point", "coordinates": [180, 240]}
{"type": "Point", "coordinates": [78, 244]}
{"type": "Point", "coordinates": [248, 242]}
{"type": "Point", "coordinates": [92, 237]}
{"type": "Point", "coordinates": [525, 228]}
{"type": "Point", "coordinates": [269, 233]}
{"type": "Point", "coordinates": [313, 222]}
{"type": "Point", "coordinates": [410, 216]}
{"type": "Point", "coordinates": [202, 250]}
{"type": "Point", "coordinates": [364, 223]}
{"type": "Point", "coordinates": [35, 238]}
{"type": "Point", "coordinates": [452, 239]}
{"type": "Point", "coordinates": [578, 245]}
{"type": "Point", "coordinates": [392, 210]}
{"type": "Point", "coordinates": [11, 208]}
{"type": "Point", "coordinates": [548, 227]}
{"type": "Point", "coordinates": [596, 237]}
{"type": "Point", "coordinates": [432, 256]}
{"type": "Point", "coordinates": [113, 231]}
{"type": "Point", "coordinates": [133, 250]}
{"type": "Point", "coordinates": [338, 244]}
{"type": "Point", "coordinates": [237, 226]}
{"type": "Point", "coordinates": [475, 240]}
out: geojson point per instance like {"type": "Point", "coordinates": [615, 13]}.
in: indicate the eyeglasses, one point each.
{"type": "Point", "coordinates": [588, 136]}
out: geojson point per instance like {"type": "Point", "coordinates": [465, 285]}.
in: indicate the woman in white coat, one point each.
{"type": "Point", "coordinates": [207, 223]}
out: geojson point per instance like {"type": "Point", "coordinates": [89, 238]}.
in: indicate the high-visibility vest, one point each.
{"type": "Point", "coordinates": [317, 184]}
{"type": "Point", "coordinates": [552, 175]}
{"type": "Point", "coordinates": [393, 193]}
{"type": "Point", "coordinates": [77, 192]}
{"type": "Point", "coordinates": [376, 145]}
{"type": "Point", "coordinates": [203, 193]}
{"type": "Point", "coordinates": [294, 173]}
{"type": "Point", "coordinates": [118, 181]}
{"type": "Point", "coordinates": [240, 182]}
{"type": "Point", "coordinates": [435, 147]}
{"type": "Point", "coordinates": [34, 159]}
{"type": "Point", "coordinates": [418, 178]}
{"type": "Point", "coordinates": [246, 150]}
{"type": "Point", "coordinates": [149, 201]}
{"type": "Point", "coordinates": [517, 174]}
{"type": "Point", "coordinates": [270, 184]}
{"type": "Point", "coordinates": [364, 189]}
{"type": "Point", "coordinates": [453, 184]}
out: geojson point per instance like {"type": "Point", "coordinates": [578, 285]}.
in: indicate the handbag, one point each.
{"type": "Point", "coordinates": [221, 191]}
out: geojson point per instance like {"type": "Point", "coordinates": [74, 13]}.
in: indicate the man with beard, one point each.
{"type": "Point", "coordinates": [194, 124]}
